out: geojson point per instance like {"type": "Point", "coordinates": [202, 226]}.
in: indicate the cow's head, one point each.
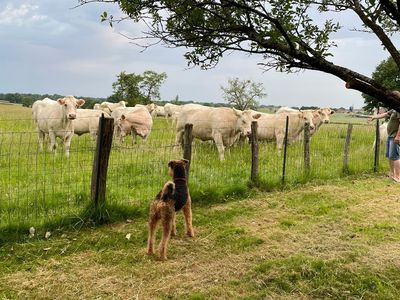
{"type": "Point", "coordinates": [151, 107]}
{"type": "Point", "coordinates": [124, 125]}
{"type": "Point", "coordinates": [244, 119]}
{"type": "Point", "coordinates": [324, 114]}
{"type": "Point", "coordinates": [70, 104]}
{"type": "Point", "coordinates": [308, 117]}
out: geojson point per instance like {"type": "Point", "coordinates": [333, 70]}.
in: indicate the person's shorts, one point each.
{"type": "Point", "coordinates": [392, 149]}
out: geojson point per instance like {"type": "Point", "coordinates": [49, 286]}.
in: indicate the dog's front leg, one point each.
{"type": "Point", "coordinates": [187, 212]}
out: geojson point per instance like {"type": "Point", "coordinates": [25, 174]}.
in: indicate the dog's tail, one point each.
{"type": "Point", "coordinates": [166, 192]}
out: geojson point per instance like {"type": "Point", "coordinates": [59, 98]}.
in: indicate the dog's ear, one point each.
{"type": "Point", "coordinates": [186, 161]}
{"type": "Point", "coordinates": [171, 164]}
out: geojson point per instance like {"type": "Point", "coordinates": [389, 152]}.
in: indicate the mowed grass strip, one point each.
{"type": "Point", "coordinates": [338, 240]}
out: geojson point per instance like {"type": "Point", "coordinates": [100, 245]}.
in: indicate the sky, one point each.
{"type": "Point", "coordinates": [47, 46]}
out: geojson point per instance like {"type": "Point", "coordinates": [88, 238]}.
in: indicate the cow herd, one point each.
{"type": "Point", "coordinates": [224, 126]}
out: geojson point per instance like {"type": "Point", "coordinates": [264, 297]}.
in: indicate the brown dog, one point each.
{"type": "Point", "coordinates": [173, 197]}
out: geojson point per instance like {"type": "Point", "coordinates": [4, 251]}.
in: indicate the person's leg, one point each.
{"type": "Point", "coordinates": [396, 170]}
{"type": "Point", "coordinates": [389, 142]}
{"type": "Point", "coordinates": [391, 166]}
{"type": "Point", "coordinates": [394, 160]}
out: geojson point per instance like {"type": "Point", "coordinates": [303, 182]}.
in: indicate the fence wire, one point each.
{"type": "Point", "coordinates": [40, 187]}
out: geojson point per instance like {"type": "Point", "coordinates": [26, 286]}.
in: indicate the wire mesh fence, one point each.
{"type": "Point", "coordinates": [38, 187]}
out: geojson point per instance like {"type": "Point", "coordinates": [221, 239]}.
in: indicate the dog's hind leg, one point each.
{"type": "Point", "coordinates": [166, 220]}
{"type": "Point", "coordinates": [153, 220]}
{"type": "Point", "coordinates": [173, 232]}
{"type": "Point", "coordinates": [187, 212]}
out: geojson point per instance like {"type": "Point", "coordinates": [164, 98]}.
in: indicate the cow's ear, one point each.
{"type": "Point", "coordinates": [122, 117]}
{"type": "Point", "coordinates": [319, 111]}
{"type": "Point", "coordinates": [257, 116]}
{"type": "Point", "coordinates": [171, 164]}
{"type": "Point", "coordinates": [80, 102]}
{"type": "Point", "coordinates": [61, 101]}
{"type": "Point", "coordinates": [237, 112]}
{"type": "Point", "coordinates": [186, 161]}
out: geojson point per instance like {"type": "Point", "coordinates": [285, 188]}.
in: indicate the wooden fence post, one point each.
{"type": "Point", "coordinates": [307, 136]}
{"type": "Point", "coordinates": [187, 146]}
{"type": "Point", "coordinates": [285, 142]}
{"type": "Point", "coordinates": [254, 152]}
{"type": "Point", "coordinates": [100, 162]}
{"type": "Point", "coordinates": [347, 148]}
{"type": "Point", "coordinates": [377, 146]}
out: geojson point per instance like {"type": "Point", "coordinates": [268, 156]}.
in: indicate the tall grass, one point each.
{"type": "Point", "coordinates": [40, 189]}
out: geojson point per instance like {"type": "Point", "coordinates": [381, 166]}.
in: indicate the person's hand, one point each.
{"type": "Point", "coordinates": [397, 140]}
{"type": "Point", "coordinates": [370, 119]}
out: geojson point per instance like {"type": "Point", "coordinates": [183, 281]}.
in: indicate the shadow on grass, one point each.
{"type": "Point", "coordinates": [89, 217]}
{"type": "Point", "coordinates": [206, 197]}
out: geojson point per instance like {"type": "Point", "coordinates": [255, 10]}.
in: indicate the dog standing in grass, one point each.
{"type": "Point", "coordinates": [173, 197]}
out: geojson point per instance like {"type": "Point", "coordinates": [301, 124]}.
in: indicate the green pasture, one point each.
{"type": "Point", "coordinates": [45, 190]}
{"type": "Point", "coordinates": [333, 240]}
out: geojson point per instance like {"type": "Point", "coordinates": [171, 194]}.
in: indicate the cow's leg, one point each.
{"type": "Point", "coordinates": [93, 135]}
{"type": "Point", "coordinates": [179, 138]}
{"type": "Point", "coordinates": [279, 137]}
{"type": "Point", "coordinates": [219, 143]}
{"type": "Point", "coordinates": [67, 143]}
{"type": "Point", "coordinates": [52, 141]}
{"type": "Point", "coordinates": [41, 136]}
{"type": "Point", "coordinates": [133, 133]}
{"type": "Point", "coordinates": [117, 135]}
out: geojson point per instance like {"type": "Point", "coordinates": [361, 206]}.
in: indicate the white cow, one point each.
{"type": "Point", "coordinates": [170, 109]}
{"type": "Point", "coordinates": [320, 116]}
{"type": "Point", "coordinates": [286, 109]}
{"type": "Point", "coordinates": [87, 121]}
{"type": "Point", "coordinates": [150, 107]}
{"type": "Point", "coordinates": [116, 115]}
{"type": "Point", "coordinates": [222, 125]}
{"type": "Point", "coordinates": [160, 112]}
{"type": "Point", "coordinates": [55, 119]}
{"type": "Point", "coordinates": [271, 127]}
{"type": "Point", "coordinates": [183, 109]}
{"type": "Point", "coordinates": [137, 122]}
{"type": "Point", "coordinates": [109, 107]}
{"type": "Point", "coordinates": [383, 134]}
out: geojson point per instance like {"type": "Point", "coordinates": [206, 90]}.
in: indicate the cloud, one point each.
{"type": "Point", "coordinates": [21, 15]}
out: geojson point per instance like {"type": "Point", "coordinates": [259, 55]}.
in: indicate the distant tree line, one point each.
{"type": "Point", "coordinates": [28, 99]}
{"type": "Point", "coordinates": [145, 88]}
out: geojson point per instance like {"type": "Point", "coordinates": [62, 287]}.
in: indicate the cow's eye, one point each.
{"type": "Point", "coordinates": [65, 105]}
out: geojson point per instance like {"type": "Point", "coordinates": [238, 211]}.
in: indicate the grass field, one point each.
{"type": "Point", "coordinates": [334, 240]}
{"type": "Point", "coordinates": [326, 234]}
{"type": "Point", "coordinates": [46, 191]}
